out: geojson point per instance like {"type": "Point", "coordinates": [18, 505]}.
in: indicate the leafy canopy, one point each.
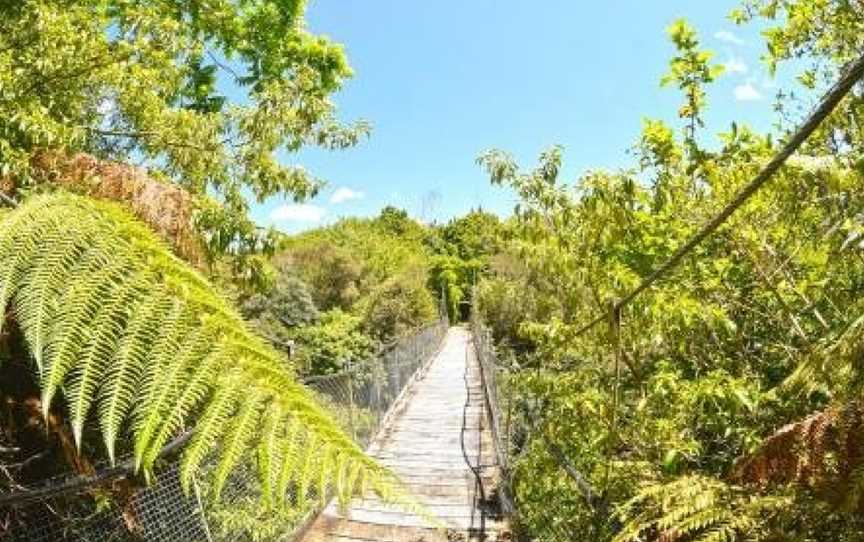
{"type": "Point", "coordinates": [142, 80]}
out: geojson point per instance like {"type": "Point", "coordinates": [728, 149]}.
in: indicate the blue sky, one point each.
{"type": "Point", "coordinates": [442, 81]}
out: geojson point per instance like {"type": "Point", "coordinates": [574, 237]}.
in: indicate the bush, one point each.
{"type": "Point", "coordinates": [335, 340]}
{"type": "Point", "coordinates": [398, 306]}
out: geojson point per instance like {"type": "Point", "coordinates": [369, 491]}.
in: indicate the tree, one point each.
{"type": "Point", "coordinates": [142, 80]}
{"type": "Point", "coordinates": [398, 306]}
{"type": "Point", "coordinates": [332, 344]}
{"type": "Point", "coordinates": [288, 302]}
{"type": "Point", "coordinates": [333, 272]}
{"type": "Point", "coordinates": [669, 409]}
{"type": "Point", "coordinates": [395, 221]}
{"type": "Point", "coordinates": [816, 40]}
{"type": "Point", "coordinates": [474, 235]}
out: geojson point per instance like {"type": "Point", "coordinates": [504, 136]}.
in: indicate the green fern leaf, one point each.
{"type": "Point", "coordinates": [124, 373]}
{"type": "Point", "coordinates": [113, 319]}
{"type": "Point", "coordinates": [210, 428]}
{"type": "Point", "coordinates": [239, 438]}
{"type": "Point", "coordinates": [107, 327]}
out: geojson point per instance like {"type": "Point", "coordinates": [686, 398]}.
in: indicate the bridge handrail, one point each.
{"type": "Point", "coordinates": [493, 379]}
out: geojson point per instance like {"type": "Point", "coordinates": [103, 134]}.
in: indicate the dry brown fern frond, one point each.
{"type": "Point", "coordinates": [164, 206]}
{"type": "Point", "coordinates": [823, 452]}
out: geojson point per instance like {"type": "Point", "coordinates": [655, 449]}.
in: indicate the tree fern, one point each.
{"type": "Point", "coordinates": [268, 452]}
{"type": "Point", "coordinates": [127, 333]}
{"type": "Point", "coordinates": [212, 426]}
{"type": "Point", "coordinates": [695, 509]}
{"type": "Point", "coordinates": [240, 435]}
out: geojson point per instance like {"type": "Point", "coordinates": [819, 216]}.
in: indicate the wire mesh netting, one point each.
{"type": "Point", "coordinates": [361, 396]}
{"type": "Point", "coordinates": [111, 506]}
{"type": "Point", "coordinates": [499, 403]}
{"type": "Point", "coordinates": [511, 423]}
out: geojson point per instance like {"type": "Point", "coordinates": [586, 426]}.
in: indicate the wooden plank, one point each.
{"type": "Point", "coordinates": [423, 445]}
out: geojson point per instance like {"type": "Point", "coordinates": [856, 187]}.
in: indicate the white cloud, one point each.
{"type": "Point", "coordinates": [298, 212]}
{"type": "Point", "coordinates": [344, 194]}
{"type": "Point", "coordinates": [769, 83]}
{"type": "Point", "coordinates": [736, 65]}
{"type": "Point", "coordinates": [729, 37]}
{"type": "Point", "coordinates": [747, 93]}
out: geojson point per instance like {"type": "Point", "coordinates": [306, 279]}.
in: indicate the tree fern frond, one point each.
{"type": "Point", "coordinates": [19, 247]}
{"type": "Point", "coordinates": [114, 319]}
{"type": "Point", "coordinates": [163, 374]}
{"type": "Point", "coordinates": [306, 472]}
{"type": "Point", "coordinates": [35, 303]}
{"type": "Point", "coordinates": [323, 474]}
{"type": "Point", "coordinates": [269, 452]}
{"type": "Point", "coordinates": [695, 509]}
{"type": "Point", "coordinates": [837, 361]}
{"type": "Point", "coordinates": [290, 459]}
{"type": "Point", "coordinates": [240, 436]}
{"type": "Point", "coordinates": [73, 329]}
{"type": "Point", "coordinates": [352, 481]}
{"type": "Point", "coordinates": [211, 426]}
{"type": "Point", "coordinates": [188, 395]}
{"type": "Point", "coordinates": [107, 327]}
{"type": "Point", "coordinates": [125, 370]}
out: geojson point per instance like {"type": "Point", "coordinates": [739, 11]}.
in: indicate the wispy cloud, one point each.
{"type": "Point", "coordinates": [747, 93]}
{"type": "Point", "coordinates": [344, 194]}
{"type": "Point", "coordinates": [298, 212]}
{"type": "Point", "coordinates": [736, 65]}
{"type": "Point", "coordinates": [729, 37]}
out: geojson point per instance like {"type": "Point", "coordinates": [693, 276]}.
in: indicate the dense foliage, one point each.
{"type": "Point", "coordinates": [671, 418]}
{"type": "Point", "coordinates": [370, 281]}
{"type": "Point", "coordinates": [145, 81]}
{"type": "Point", "coordinates": [723, 404]}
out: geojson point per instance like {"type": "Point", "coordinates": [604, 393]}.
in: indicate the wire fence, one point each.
{"type": "Point", "coordinates": [112, 507]}
{"type": "Point", "coordinates": [361, 396]}
{"type": "Point", "coordinates": [512, 424]}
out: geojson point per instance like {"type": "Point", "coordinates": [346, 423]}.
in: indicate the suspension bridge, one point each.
{"type": "Point", "coordinates": [424, 407]}
{"type": "Point", "coordinates": [438, 441]}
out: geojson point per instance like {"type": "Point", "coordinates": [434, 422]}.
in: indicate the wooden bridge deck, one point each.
{"type": "Point", "coordinates": [423, 445]}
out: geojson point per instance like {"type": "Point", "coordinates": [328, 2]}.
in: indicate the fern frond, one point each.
{"type": "Point", "coordinates": [695, 509]}
{"type": "Point", "coordinates": [166, 374]}
{"type": "Point", "coordinates": [239, 439]}
{"type": "Point", "coordinates": [836, 364]}
{"type": "Point", "coordinates": [192, 392]}
{"type": "Point", "coordinates": [35, 303]}
{"type": "Point", "coordinates": [306, 472]}
{"type": "Point", "coordinates": [19, 247]}
{"type": "Point", "coordinates": [211, 426]}
{"type": "Point", "coordinates": [73, 329]}
{"type": "Point", "coordinates": [124, 373]}
{"type": "Point", "coordinates": [115, 320]}
{"type": "Point", "coordinates": [269, 453]}
{"type": "Point", "coordinates": [289, 459]}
